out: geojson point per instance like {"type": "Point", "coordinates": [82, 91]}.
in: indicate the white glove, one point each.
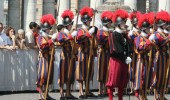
{"type": "Point", "coordinates": [152, 37]}
{"type": "Point", "coordinates": [128, 60]}
{"type": "Point", "coordinates": [54, 36]}
{"type": "Point", "coordinates": [74, 33]}
{"type": "Point", "coordinates": [91, 31]}
{"type": "Point", "coordinates": [130, 33]}
{"type": "Point", "coordinates": [151, 30]}
{"type": "Point", "coordinates": [66, 31]}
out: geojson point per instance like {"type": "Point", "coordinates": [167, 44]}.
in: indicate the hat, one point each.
{"type": "Point", "coordinates": [145, 22]}
{"type": "Point", "coordinates": [67, 16]}
{"type": "Point", "coordinates": [106, 17]}
{"type": "Point", "coordinates": [120, 16]}
{"type": "Point", "coordinates": [47, 21]}
{"type": "Point", "coordinates": [134, 17]}
{"type": "Point", "coordinates": [86, 14]}
{"type": "Point", "coordinates": [162, 18]}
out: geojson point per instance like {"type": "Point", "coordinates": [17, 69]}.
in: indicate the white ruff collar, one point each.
{"type": "Point", "coordinates": [144, 34]}
{"type": "Point", "coordinates": [105, 28]}
{"type": "Point", "coordinates": [160, 29]}
{"type": "Point", "coordinates": [118, 30]}
{"type": "Point", "coordinates": [135, 29]}
{"type": "Point", "coordinates": [85, 26]}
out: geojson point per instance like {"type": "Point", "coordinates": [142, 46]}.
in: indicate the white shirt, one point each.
{"type": "Point", "coordinates": [4, 40]}
{"type": "Point", "coordinates": [29, 37]}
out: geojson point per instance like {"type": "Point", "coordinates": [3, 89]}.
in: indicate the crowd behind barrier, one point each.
{"type": "Point", "coordinates": [18, 70]}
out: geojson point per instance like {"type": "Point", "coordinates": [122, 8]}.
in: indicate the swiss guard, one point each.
{"type": "Point", "coordinates": [67, 56]}
{"type": "Point", "coordinates": [142, 46]}
{"type": "Point", "coordinates": [134, 18]}
{"type": "Point", "coordinates": [119, 55]}
{"type": "Point", "coordinates": [103, 51]}
{"type": "Point", "coordinates": [85, 67]}
{"type": "Point", "coordinates": [44, 44]}
{"type": "Point", "coordinates": [161, 62]}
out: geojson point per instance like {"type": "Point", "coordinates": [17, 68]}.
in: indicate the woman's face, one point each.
{"type": "Point", "coordinates": [11, 32]}
{"type": "Point", "coordinates": [21, 35]}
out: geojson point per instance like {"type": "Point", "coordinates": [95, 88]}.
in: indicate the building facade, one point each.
{"type": "Point", "coordinates": [19, 13]}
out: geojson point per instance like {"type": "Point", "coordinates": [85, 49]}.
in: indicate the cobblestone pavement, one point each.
{"type": "Point", "coordinates": [56, 95]}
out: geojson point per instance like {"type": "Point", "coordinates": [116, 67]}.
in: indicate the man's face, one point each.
{"type": "Point", "coordinates": [123, 26]}
{"type": "Point", "coordinates": [69, 27]}
{"type": "Point", "coordinates": [147, 31]}
{"type": "Point", "coordinates": [88, 23]}
{"type": "Point", "coordinates": [1, 28]}
{"type": "Point", "coordinates": [35, 29]}
{"type": "Point", "coordinates": [47, 31]}
{"type": "Point", "coordinates": [164, 26]}
{"type": "Point", "coordinates": [109, 25]}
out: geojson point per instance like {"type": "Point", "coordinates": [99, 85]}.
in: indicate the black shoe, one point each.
{"type": "Point", "coordinates": [71, 97]}
{"type": "Point", "coordinates": [62, 98]}
{"type": "Point", "coordinates": [82, 97]}
{"type": "Point", "coordinates": [100, 95]}
{"type": "Point", "coordinates": [165, 98]}
{"type": "Point", "coordinates": [50, 98]}
{"type": "Point", "coordinates": [90, 95]}
{"type": "Point", "coordinates": [105, 95]}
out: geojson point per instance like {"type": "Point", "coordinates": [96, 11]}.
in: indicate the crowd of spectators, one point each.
{"type": "Point", "coordinates": [12, 39]}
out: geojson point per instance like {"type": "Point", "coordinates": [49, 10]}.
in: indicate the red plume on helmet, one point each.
{"type": "Point", "coordinates": [113, 17]}
{"type": "Point", "coordinates": [135, 14]}
{"type": "Point", "coordinates": [142, 19]}
{"type": "Point", "coordinates": [162, 15]}
{"type": "Point", "coordinates": [49, 18]}
{"type": "Point", "coordinates": [67, 13]}
{"type": "Point", "coordinates": [151, 17]}
{"type": "Point", "coordinates": [120, 13]}
{"type": "Point", "coordinates": [107, 14]}
{"type": "Point", "coordinates": [86, 10]}
{"type": "Point", "coordinates": [106, 17]}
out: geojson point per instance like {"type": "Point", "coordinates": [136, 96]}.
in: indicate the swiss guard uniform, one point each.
{"type": "Point", "coordinates": [44, 44]}
{"type": "Point", "coordinates": [134, 17]}
{"type": "Point", "coordinates": [161, 55]}
{"type": "Point", "coordinates": [167, 31]}
{"type": "Point", "coordinates": [118, 45]}
{"type": "Point", "coordinates": [84, 38]}
{"type": "Point", "coordinates": [103, 51]}
{"type": "Point", "coordinates": [142, 45]}
{"type": "Point", "coordinates": [67, 56]}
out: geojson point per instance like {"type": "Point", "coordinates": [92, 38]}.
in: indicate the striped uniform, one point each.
{"type": "Point", "coordinates": [132, 68]}
{"type": "Point", "coordinates": [160, 61]}
{"type": "Point", "coordinates": [84, 42]}
{"type": "Point", "coordinates": [44, 61]}
{"type": "Point", "coordinates": [141, 64]}
{"type": "Point", "coordinates": [103, 55]}
{"type": "Point", "coordinates": [66, 69]}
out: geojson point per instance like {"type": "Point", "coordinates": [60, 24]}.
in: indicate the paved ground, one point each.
{"type": "Point", "coordinates": [34, 96]}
